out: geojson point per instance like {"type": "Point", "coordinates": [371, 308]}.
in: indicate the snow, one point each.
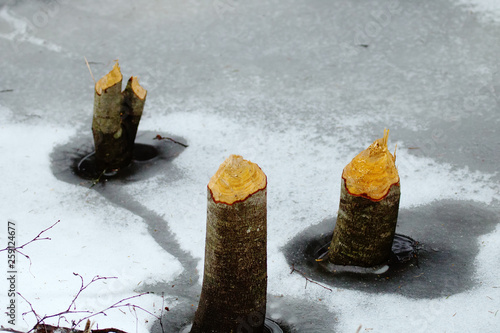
{"type": "Point", "coordinates": [283, 86]}
{"type": "Point", "coordinates": [490, 9]}
{"type": "Point", "coordinates": [92, 238]}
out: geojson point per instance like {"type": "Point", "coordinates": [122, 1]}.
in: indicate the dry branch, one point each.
{"type": "Point", "coordinates": [42, 327]}
{"type": "Point", "coordinates": [159, 137]}
{"type": "Point", "coordinates": [308, 279]}
{"type": "Point", "coordinates": [36, 238]}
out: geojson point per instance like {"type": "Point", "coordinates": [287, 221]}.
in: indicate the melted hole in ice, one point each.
{"type": "Point", "coordinates": [86, 167]}
{"type": "Point", "coordinates": [284, 314]}
{"type": "Point", "coordinates": [73, 162]}
{"type": "Point", "coordinates": [269, 327]}
{"type": "Point", "coordinates": [440, 264]}
{"type": "Point", "coordinates": [144, 153]}
{"type": "Point", "coordinates": [272, 327]}
{"type": "Point", "coordinates": [404, 250]}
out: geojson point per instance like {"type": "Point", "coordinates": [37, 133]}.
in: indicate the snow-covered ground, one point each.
{"type": "Point", "coordinates": [298, 87]}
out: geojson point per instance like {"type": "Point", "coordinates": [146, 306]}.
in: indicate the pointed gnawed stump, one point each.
{"type": "Point", "coordinates": [116, 118]}
{"type": "Point", "coordinates": [368, 211]}
{"type": "Point", "coordinates": [233, 296]}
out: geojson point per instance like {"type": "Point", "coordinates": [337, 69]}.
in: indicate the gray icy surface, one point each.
{"type": "Point", "coordinates": [428, 70]}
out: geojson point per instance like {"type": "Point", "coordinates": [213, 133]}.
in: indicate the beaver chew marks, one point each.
{"type": "Point", "coordinates": [109, 80]}
{"type": "Point", "coordinates": [372, 172]}
{"type": "Point", "coordinates": [236, 180]}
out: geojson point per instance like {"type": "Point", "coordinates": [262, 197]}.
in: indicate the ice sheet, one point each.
{"type": "Point", "coordinates": [298, 88]}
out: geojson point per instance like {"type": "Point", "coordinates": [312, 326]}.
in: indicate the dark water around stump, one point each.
{"type": "Point", "coordinates": [75, 163]}
{"type": "Point", "coordinates": [447, 233]}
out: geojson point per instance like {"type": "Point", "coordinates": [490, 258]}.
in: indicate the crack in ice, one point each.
{"type": "Point", "coordinates": [21, 34]}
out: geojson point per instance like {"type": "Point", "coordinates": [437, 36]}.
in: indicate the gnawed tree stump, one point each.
{"type": "Point", "coordinates": [233, 296]}
{"type": "Point", "coordinates": [368, 211]}
{"type": "Point", "coordinates": [116, 118]}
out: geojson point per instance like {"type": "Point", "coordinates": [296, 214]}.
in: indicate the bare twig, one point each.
{"type": "Point", "coordinates": [41, 320]}
{"type": "Point", "coordinates": [38, 318]}
{"type": "Point", "coordinates": [308, 279]}
{"type": "Point", "coordinates": [44, 328]}
{"type": "Point", "coordinates": [40, 324]}
{"type": "Point", "coordinates": [82, 288]}
{"type": "Point", "coordinates": [98, 179]}
{"type": "Point", "coordinates": [88, 66]}
{"type": "Point", "coordinates": [37, 238]}
{"type": "Point", "coordinates": [6, 90]}
{"type": "Point", "coordinates": [159, 137]}
{"type": "Point", "coordinates": [118, 305]}
{"type": "Point", "coordinates": [61, 315]}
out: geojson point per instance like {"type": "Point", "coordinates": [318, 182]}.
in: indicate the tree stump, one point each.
{"type": "Point", "coordinates": [116, 118]}
{"type": "Point", "coordinates": [368, 210]}
{"type": "Point", "coordinates": [233, 296]}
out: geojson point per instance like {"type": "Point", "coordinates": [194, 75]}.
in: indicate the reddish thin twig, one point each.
{"type": "Point", "coordinates": [38, 318]}
{"type": "Point", "coordinates": [161, 311]}
{"type": "Point", "coordinates": [68, 310]}
{"type": "Point", "coordinates": [41, 320]}
{"type": "Point", "coordinates": [159, 137]}
{"type": "Point", "coordinates": [83, 287]}
{"type": "Point", "coordinates": [37, 238]}
{"type": "Point", "coordinates": [50, 329]}
{"type": "Point", "coordinates": [308, 279]}
{"type": "Point", "coordinates": [61, 314]}
{"type": "Point", "coordinates": [118, 305]}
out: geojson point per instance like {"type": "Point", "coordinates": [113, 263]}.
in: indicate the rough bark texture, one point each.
{"type": "Point", "coordinates": [107, 130]}
{"type": "Point", "coordinates": [114, 126]}
{"type": "Point", "coordinates": [132, 109]}
{"type": "Point", "coordinates": [233, 297]}
{"type": "Point", "coordinates": [365, 229]}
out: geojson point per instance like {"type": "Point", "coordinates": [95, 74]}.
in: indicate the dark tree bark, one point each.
{"type": "Point", "coordinates": [116, 118]}
{"type": "Point", "coordinates": [368, 210]}
{"type": "Point", "coordinates": [365, 229]}
{"type": "Point", "coordinates": [134, 98]}
{"type": "Point", "coordinates": [233, 297]}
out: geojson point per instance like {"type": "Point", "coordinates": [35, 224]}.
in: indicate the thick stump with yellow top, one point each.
{"type": "Point", "coordinates": [233, 296]}
{"type": "Point", "coordinates": [368, 211]}
{"type": "Point", "coordinates": [116, 118]}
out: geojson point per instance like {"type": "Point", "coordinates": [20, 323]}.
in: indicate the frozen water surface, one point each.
{"type": "Point", "coordinates": [299, 87]}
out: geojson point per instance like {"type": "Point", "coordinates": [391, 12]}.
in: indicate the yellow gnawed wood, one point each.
{"type": "Point", "coordinates": [373, 171]}
{"type": "Point", "coordinates": [236, 180]}
{"type": "Point", "coordinates": [116, 119]}
{"type": "Point", "coordinates": [235, 251]}
{"type": "Point", "coordinates": [137, 89]}
{"type": "Point", "coordinates": [109, 80]}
